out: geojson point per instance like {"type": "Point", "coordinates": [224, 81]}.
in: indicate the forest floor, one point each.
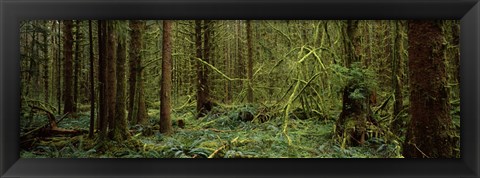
{"type": "Point", "coordinates": [220, 134]}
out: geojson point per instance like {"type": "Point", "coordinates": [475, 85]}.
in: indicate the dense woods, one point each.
{"type": "Point", "coordinates": [240, 89]}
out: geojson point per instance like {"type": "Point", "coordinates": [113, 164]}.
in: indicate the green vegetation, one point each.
{"type": "Point", "coordinates": [239, 89]}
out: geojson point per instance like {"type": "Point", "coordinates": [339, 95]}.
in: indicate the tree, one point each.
{"type": "Point", "coordinates": [47, 63]}
{"type": "Point", "coordinates": [135, 47]}
{"type": "Point", "coordinates": [250, 62]}
{"type": "Point", "coordinates": [397, 77]}
{"type": "Point", "coordinates": [78, 37]}
{"type": "Point", "coordinates": [428, 133]}
{"type": "Point", "coordinates": [92, 81]}
{"type": "Point", "coordinates": [111, 75]}
{"type": "Point", "coordinates": [165, 108]}
{"type": "Point", "coordinates": [102, 78]}
{"type": "Point", "coordinates": [352, 122]}
{"type": "Point", "coordinates": [120, 124]}
{"type": "Point", "coordinates": [203, 104]}
{"type": "Point", "coordinates": [68, 65]}
{"type": "Point", "coordinates": [136, 106]}
{"type": "Point", "coordinates": [59, 65]}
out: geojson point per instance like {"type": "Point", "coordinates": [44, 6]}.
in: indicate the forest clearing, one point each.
{"type": "Point", "coordinates": [240, 89]}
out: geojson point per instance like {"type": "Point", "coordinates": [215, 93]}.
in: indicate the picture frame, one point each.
{"type": "Point", "coordinates": [13, 11]}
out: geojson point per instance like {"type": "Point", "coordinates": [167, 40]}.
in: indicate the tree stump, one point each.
{"type": "Point", "coordinates": [351, 125]}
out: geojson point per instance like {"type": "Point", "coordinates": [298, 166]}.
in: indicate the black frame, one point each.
{"type": "Point", "coordinates": [13, 11]}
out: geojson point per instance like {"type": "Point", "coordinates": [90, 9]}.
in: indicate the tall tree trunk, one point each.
{"type": "Point", "coordinates": [111, 76]}
{"type": "Point", "coordinates": [250, 62]}
{"type": "Point", "coordinates": [77, 64]}
{"type": "Point", "coordinates": [67, 73]}
{"type": "Point", "coordinates": [92, 82]}
{"type": "Point", "coordinates": [102, 78]}
{"type": "Point", "coordinates": [239, 49]}
{"type": "Point", "coordinates": [201, 81]}
{"type": "Point", "coordinates": [59, 66]}
{"type": "Point", "coordinates": [134, 50]}
{"type": "Point", "coordinates": [165, 108]}
{"type": "Point", "coordinates": [141, 106]}
{"type": "Point", "coordinates": [397, 77]}
{"type": "Point", "coordinates": [206, 57]}
{"type": "Point", "coordinates": [352, 43]}
{"type": "Point", "coordinates": [46, 65]}
{"type": "Point", "coordinates": [428, 134]}
{"type": "Point", "coordinates": [121, 130]}
{"type": "Point", "coordinates": [136, 110]}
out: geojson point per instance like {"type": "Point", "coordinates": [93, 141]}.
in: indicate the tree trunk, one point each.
{"type": "Point", "coordinates": [352, 43]}
{"type": "Point", "coordinates": [250, 62]}
{"type": "Point", "coordinates": [102, 78]}
{"type": "Point", "coordinates": [165, 108]}
{"type": "Point", "coordinates": [46, 65]}
{"type": "Point", "coordinates": [67, 73]}
{"type": "Point", "coordinates": [92, 82]}
{"type": "Point", "coordinates": [141, 107]}
{"type": "Point", "coordinates": [59, 66]}
{"type": "Point", "coordinates": [397, 78]}
{"type": "Point", "coordinates": [111, 76]}
{"type": "Point", "coordinates": [352, 122]}
{"type": "Point", "coordinates": [428, 134]}
{"type": "Point", "coordinates": [201, 80]}
{"type": "Point", "coordinates": [121, 131]}
{"type": "Point", "coordinates": [135, 49]}
{"type": "Point", "coordinates": [77, 65]}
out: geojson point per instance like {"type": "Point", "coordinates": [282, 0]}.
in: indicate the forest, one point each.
{"type": "Point", "coordinates": [239, 89]}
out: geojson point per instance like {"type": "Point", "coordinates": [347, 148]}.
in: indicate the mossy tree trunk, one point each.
{"type": "Point", "coordinates": [250, 62]}
{"type": "Point", "coordinates": [136, 106]}
{"type": "Point", "coordinates": [78, 37]}
{"type": "Point", "coordinates": [121, 131]}
{"type": "Point", "coordinates": [92, 81]}
{"type": "Point", "coordinates": [352, 123]}
{"type": "Point", "coordinates": [111, 75]}
{"type": "Point", "coordinates": [397, 82]}
{"type": "Point", "coordinates": [203, 104]}
{"type": "Point", "coordinates": [428, 134]}
{"type": "Point", "coordinates": [166, 88]}
{"type": "Point", "coordinates": [102, 78]}
{"type": "Point", "coordinates": [68, 65]}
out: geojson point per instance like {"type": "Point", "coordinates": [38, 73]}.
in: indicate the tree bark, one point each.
{"type": "Point", "coordinates": [102, 78]}
{"type": "Point", "coordinates": [92, 82]}
{"type": "Point", "coordinates": [77, 64]}
{"type": "Point", "coordinates": [67, 72]}
{"type": "Point", "coordinates": [111, 76]}
{"type": "Point", "coordinates": [135, 49]}
{"type": "Point", "coordinates": [397, 78]}
{"type": "Point", "coordinates": [202, 88]}
{"type": "Point", "coordinates": [165, 108]}
{"type": "Point", "coordinates": [250, 62]}
{"type": "Point", "coordinates": [121, 131]}
{"type": "Point", "coordinates": [59, 66]}
{"type": "Point", "coordinates": [352, 43]}
{"type": "Point", "coordinates": [428, 134]}
{"type": "Point", "coordinates": [46, 65]}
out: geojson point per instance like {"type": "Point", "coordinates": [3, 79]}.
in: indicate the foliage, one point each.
{"type": "Point", "coordinates": [219, 130]}
{"type": "Point", "coordinates": [361, 80]}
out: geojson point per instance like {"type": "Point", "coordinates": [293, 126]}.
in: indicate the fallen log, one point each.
{"type": "Point", "coordinates": [51, 127]}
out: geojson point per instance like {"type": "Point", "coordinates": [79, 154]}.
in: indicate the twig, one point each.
{"type": "Point", "coordinates": [218, 71]}
{"type": "Point", "coordinates": [216, 151]}
{"type": "Point", "coordinates": [415, 145]}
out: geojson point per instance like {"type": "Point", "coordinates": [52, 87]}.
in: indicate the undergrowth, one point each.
{"type": "Point", "coordinates": [220, 134]}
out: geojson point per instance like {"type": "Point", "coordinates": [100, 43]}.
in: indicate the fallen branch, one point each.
{"type": "Point", "coordinates": [383, 104]}
{"type": "Point", "coordinates": [216, 151]}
